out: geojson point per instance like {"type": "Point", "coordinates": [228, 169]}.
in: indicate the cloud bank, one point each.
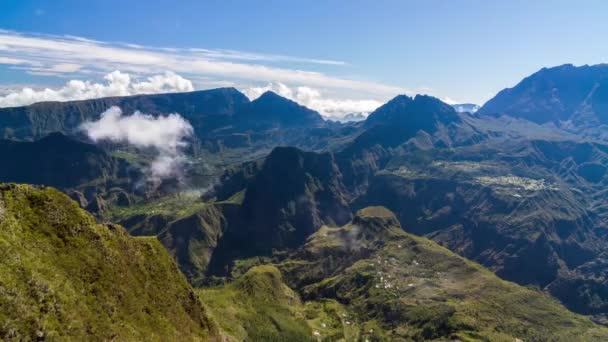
{"type": "Point", "coordinates": [166, 135]}
{"type": "Point", "coordinates": [332, 108]}
{"type": "Point", "coordinates": [117, 84]}
{"type": "Point", "coordinates": [67, 55]}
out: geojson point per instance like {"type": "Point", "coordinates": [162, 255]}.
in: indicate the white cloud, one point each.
{"type": "Point", "coordinates": [332, 108]}
{"type": "Point", "coordinates": [9, 60]}
{"type": "Point", "coordinates": [165, 134]}
{"type": "Point", "coordinates": [450, 100]}
{"type": "Point", "coordinates": [117, 84]}
{"type": "Point", "coordinates": [43, 52]}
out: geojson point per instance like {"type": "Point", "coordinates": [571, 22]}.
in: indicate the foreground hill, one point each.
{"type": "Point", "coordinates": [64, 277]}
{"type": "Point", "coordinates": [371, 281]}
{"type": "Point", "coordinates": [396, 286]}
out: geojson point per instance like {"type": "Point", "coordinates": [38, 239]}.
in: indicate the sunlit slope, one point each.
{"type": "Point", "coordinates": [397, 286]}
{"type": "Point", "coordinates": [62, 276]}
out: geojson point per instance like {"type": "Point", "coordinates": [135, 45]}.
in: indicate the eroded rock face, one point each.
{"type": "Point", "coordinates": [293, 195]}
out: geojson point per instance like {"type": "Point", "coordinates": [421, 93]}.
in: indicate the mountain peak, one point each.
{"type": "Point", "coordinates": [269, 94]}
{"type": "Point", "coordinates": [555, 94]}
{"type": "Point", "coordinates": [388, 110]}
{"type": "Point", "coordinates": [376, 218]}
{"type": "Point", "coordinates": [272, 109]}
{"type": "Point", "coordinates": [403, 108]}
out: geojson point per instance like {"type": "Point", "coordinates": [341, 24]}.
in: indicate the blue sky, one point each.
{"type": "Point", "coordinates": [333, 50]}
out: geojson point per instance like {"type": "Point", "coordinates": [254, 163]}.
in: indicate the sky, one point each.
{"type": "Point", "coordinates": [336, 56]}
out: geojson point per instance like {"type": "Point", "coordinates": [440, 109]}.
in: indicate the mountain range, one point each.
{"type": "Point", "coordinates": [425, 221]}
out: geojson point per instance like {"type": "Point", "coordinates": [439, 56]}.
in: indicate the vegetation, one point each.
{"type": "Point", "coordinates": [62, 276]}
{"type": "Point", "coordinates": [258, 307]}
{"type": "Point", "coordinates": [176, 205]}
{"type": "Point", "coordinates": [527, 201]}
{"type": "Point", "coordinates": [410, 288]}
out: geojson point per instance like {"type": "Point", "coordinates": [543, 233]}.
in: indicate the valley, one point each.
{"type": "Point", "coordinates": [418, 223]}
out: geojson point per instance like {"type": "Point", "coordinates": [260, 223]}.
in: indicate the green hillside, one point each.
{"type": "Point", "coordinates": [64, 277]}
{"type": "Point", "coordinates": [371, 281]}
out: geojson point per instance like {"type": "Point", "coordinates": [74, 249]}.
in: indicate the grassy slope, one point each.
{"type": "Point", "coordinates": [175, 206]}
{"type": "Point", "coordinates": [371, 281]}
{"type": "Point", "coordinates": [258, 307]}
{"type": "Point", "coordinates": [414, 289]}
{"type": "Point", "coordinates": [186, 225]}
{"type": "Point", "coordinates": [64, 276]}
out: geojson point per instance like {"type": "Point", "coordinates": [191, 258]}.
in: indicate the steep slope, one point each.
{"type": "Point", "coordinates": [64, 277]}
{"type": "Point", "coordinates": [90, 175]}
{"type": "Point", "coordinates": [294, 193]}
{"type": "Point", "coordinates": [271, 204]}
{"type": "Point", "coordinates": [424, 121]}
{"type": "Point", "coordinates": [530, 210]}
{"type": "Point", "coordinates": [396, 286]}
{"type": "Point", "coordinates": [291, 196]}
{"type": "Point", "coordinates": [192, 240]}
{"type": "Point", "coordinates": [561, 93]}
{"type": "Point", "coordinates": [58, 161]}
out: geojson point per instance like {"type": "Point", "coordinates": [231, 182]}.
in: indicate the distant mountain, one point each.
{"type": "Point", "coordinates": [223, 120]}
{"type": "Point", "coordinates": [352, 117]}
{"type": "Point", "coordinates": [389, 111]}
{"type": "Point", "coordinates": [271, 111]}
{"type": "Point", "coordinates": [425, 119]}
{"type": "Point", "coordinates": [65, 277]}
{"type": "Point", "coordinates": [556, 94]}
{"type": "Point", "coordinates": [413, 114]}
{"type": "Point", "coordinates": [466, 107]}
{"type": "Point", "coordinates": [206, 110]}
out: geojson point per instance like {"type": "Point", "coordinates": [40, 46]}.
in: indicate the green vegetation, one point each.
{"type": "Point", "coordinates": [411, 289]}
{"type": "Point", "coordinates": [258, 307]}
{"type": "Point", "coordinates": [131, 157]}
{"type": "Point", "coordinates": [64, 277]}
{"type": "Point", "coordinates": [371, 281]}
{"type": "Point", "coordinates": [176, 205]}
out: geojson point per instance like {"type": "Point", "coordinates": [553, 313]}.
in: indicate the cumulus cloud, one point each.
{"type": "Point", "coordinates": [116, 84]}
{"type": "Point", "coordinates": [166, 135]}
{"type": "Point", "coordinates": [332, 108]}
